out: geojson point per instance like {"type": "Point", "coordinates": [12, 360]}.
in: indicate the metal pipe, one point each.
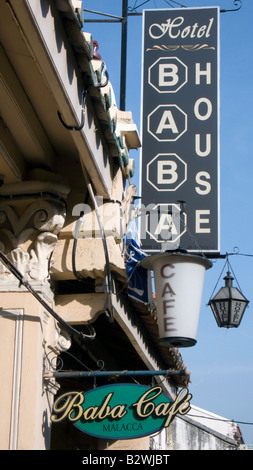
{"type": "Point", "coordinates": [107, 260]}
{"type": "Point", "coordinates": [119, 373]}
{"type": "Point", "coordinates": [102, 14]}
{"type": "Point", "coordinates": [102, 21]}
{"type": "Point", "coordinates": [123, 55]}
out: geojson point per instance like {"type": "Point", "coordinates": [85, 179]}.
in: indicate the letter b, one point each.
{"type": "Point", "coordinates": [166, 172]}
{"type": "Point", "coordinates": [168, 75]}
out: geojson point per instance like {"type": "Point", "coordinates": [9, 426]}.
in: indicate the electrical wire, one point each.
{"type": "Point", "coordinates": [108, 308]}
{"type": "Point", "coordinates": [215, 361]}
{"type": "Point", "coordinates": [177, 3]}
{"type": "Point", "coordinates": [77, 335]}
{"type": "Point", "coordinates": [220, 419]}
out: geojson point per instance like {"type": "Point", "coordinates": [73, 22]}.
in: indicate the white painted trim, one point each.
{"type": "Point", "coordinates": [16, 379]}
{"type": "Point", "coordinates": [18, 313]}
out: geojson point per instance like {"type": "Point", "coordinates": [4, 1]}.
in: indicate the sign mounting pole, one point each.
{"type": "Point", "coordinates": [123, 55]}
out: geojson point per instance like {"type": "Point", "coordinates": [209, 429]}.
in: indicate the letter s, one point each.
{"type": "Point", "coordinates": [203, 182]}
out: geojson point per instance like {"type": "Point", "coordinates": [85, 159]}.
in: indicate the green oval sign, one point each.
{"type": "Point", "coordinates": [120, 411]}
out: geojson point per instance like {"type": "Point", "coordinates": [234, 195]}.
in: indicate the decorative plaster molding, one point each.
{"type": "Point", "coordinates": [29, 233]}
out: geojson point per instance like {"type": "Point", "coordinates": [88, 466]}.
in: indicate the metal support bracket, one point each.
{"type": "Point", "coordinates": [117, 373]}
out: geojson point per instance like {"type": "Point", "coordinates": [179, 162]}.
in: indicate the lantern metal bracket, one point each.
{"type": "Point", "coordinates": [229, 268]}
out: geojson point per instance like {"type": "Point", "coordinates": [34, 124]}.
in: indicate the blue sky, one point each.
{"type": "Point", "coordinates": [221, 363]}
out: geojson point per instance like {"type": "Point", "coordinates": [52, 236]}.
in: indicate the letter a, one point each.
{"type": "Point", "coordinates": [166, 223]}
{"type": "Point", "coordinates": [167, 116]}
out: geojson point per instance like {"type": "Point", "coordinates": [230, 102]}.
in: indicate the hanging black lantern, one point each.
{"type": "Point", "coordinates": [228, 305]}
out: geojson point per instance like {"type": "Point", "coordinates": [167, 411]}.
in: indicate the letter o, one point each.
{"type": "Point", "coordinates": [203, 117]}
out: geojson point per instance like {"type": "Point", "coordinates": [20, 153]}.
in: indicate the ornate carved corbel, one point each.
{"type": "Point", "coordinates": [29, 228]}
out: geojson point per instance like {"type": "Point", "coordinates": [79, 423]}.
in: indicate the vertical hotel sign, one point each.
{"type": "Point", "coordinates": [180, 130]}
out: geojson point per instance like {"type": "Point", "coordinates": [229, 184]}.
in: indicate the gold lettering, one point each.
{"type": "Point", "coordinates": [105, 408]}
{"type": "Point", "coordinates": [68, 406]}
{"type": "Point", "coordinates": [90, 413]}
{"type": "Point", "coordinates": [118, 411]}
{"type": "Point", "coordinates": [145, 406]}
{"type": "Point", "coordinates": [180, 405]}
{"type": "Point", "coordinates": [162, 409]}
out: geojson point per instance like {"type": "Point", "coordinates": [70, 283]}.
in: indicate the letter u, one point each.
{"type": "Point", "coordinates": [207, 151]}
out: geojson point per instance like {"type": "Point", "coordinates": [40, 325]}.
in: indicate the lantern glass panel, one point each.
{"type": "Point", "coordinates": [222, 308]}
{"type": "Point", "coordinates": [237, 311]}
{"type": "Point", "coordinates": [228, 307]}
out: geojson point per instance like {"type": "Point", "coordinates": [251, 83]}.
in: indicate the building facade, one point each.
{"type": "Point", "coordinates": [66, 200]}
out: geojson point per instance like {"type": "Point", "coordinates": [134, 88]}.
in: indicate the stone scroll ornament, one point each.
{"type": "Point", "coordinates": [28, 236]}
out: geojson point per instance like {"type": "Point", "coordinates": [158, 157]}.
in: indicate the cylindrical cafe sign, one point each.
{"type": "Point", "coordinates": [179, 279]}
